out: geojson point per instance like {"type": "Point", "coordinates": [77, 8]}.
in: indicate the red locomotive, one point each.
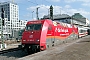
{"type": "Point", "coordinates": [43, 34]}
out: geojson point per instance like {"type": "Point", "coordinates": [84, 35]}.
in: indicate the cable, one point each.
{"type": "Point", "coordinates": [36, 4]}
{"type": "Point", "coordinates": [33, 3]}
{"type": "Point", "coordinates": [48, 2]}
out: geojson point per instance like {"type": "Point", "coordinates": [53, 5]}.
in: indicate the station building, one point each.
{"type": "Point", "coordinates": [76, 19]}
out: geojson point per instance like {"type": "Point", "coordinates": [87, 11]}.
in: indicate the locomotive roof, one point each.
{"type": "Point", "coordinates": [55, 23]}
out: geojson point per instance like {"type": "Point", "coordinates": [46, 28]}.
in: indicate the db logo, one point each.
{"type": "Point", "coordinates": [31, 36]}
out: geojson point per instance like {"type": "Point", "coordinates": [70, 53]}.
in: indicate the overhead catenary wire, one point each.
{"type": "Point", "coordinates": [48, 2]}
{"type": "Point", "coordinates": [39, 4]}
{"type": "Point", "coordinates": [35, 3]}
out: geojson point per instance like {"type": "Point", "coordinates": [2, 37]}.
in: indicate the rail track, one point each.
{"type": "Point", "coordinates": [9, 50]}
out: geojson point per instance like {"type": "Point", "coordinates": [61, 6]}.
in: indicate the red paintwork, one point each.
{"type": "Point", "coordinates": [83, 34]}
{"type": "Point", "coordinates": [59, 30]}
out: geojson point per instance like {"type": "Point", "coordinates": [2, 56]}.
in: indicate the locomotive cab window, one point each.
{"type": "Point", "coordinates": [34, 27]}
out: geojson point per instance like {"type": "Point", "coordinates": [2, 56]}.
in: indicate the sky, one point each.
{"type": "Point", "coordinates": [27, 8]}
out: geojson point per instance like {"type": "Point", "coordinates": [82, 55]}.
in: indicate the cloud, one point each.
{"type": "Point", "coordinates": [86, 4]}
{"type": "Point", "coordinates": [85, 1]}
{"type": "Point", "coordinates": [67, 6]}
{"type": "Point", "coordinates": [81, 11]}
{"type": "Point", "coordinates": [3, 0]}
{"type": "Point", "coordinates": [55, 0]}
{"type": "Point", "coordinates": [41, 7]}
{"type": "Point", "coordinates": [69, 1]}
{"type": "Point", "coordinates": [44, 9]}
{"type": "Point", "coordinates": [16, 1]}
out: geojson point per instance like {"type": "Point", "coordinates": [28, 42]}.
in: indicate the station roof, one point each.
{"type": "Point", "coordinates": [76, 16]}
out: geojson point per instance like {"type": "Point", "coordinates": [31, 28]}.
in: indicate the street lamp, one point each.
{"type": "Point", "coordinates": [32, 14]}
{"type": "Point", "coordinates": [60, 11]}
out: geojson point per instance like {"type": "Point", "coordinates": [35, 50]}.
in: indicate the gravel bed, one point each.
{"type": "Point", "coordinates": [13, 55]}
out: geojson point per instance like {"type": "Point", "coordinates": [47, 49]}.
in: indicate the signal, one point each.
{"type": "Point", "coordinates": [51, 12]}
{"type": "Point", "coordinates": [2, 10]}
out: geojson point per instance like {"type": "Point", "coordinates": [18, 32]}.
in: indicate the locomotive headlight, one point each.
{"type": "Point", "coordinates": [24, 40]}
{"type": "Point", "coordinates": [37, 40]}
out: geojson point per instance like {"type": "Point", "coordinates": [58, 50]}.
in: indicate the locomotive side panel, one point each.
{"type": "Point", "coordinates": [60, 34]}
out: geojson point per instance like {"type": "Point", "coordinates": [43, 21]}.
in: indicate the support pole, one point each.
{"type": "Point", "coordinates": [32, 14]}
{"type": "Point", "coordinates": [2, 24]}
{"type": "Point", "coordinates": [37, 12]}
{"type": "Point", "coordinates": [2, 35]}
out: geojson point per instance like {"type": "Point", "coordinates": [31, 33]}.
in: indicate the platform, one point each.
{"type": "Point", "coordinates": [76, 50]}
